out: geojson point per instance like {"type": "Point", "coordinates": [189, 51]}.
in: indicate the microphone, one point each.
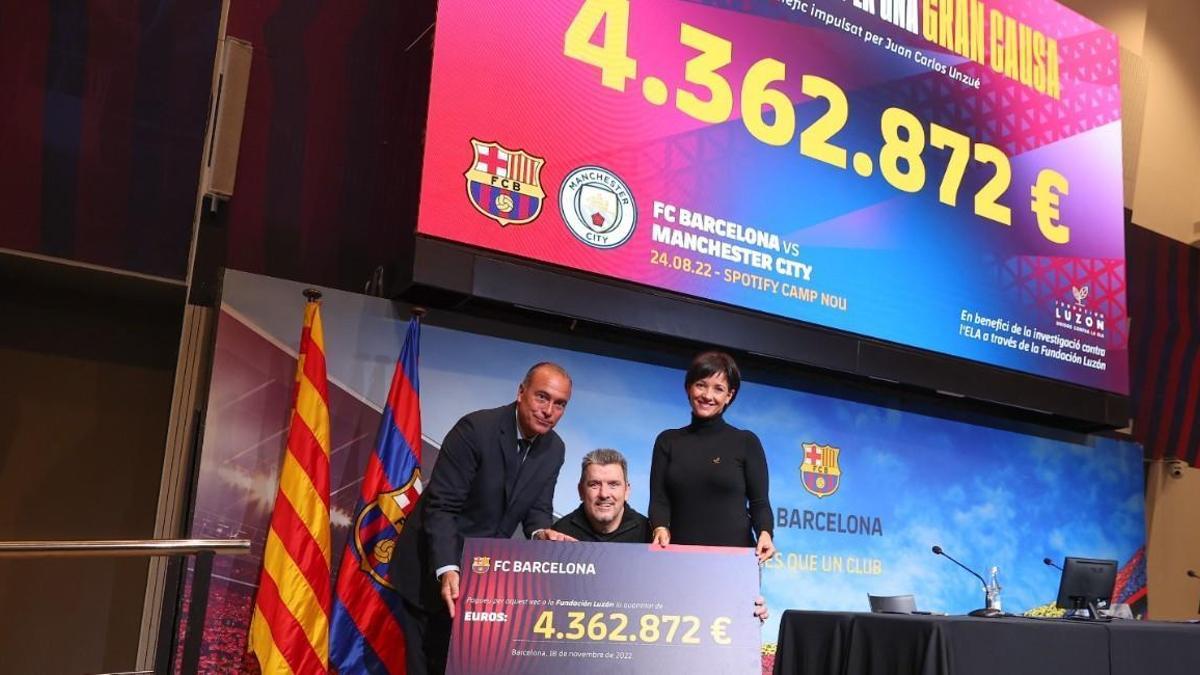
{"type": "Point", "coordinates": [985, 611]}
{"type": "Point", "coordinates": [1050, 562]}
{"type": "Point", "coordinates": [937, 550]}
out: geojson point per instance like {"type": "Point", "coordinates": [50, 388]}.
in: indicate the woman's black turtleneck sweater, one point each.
{"type": "Point", "coordinates": [708, 484]}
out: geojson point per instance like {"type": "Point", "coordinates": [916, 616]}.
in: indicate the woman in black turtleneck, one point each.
{"type": "Point", "coordinates": [708, 480]}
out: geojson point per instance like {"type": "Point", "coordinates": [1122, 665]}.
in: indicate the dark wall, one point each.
{"type": "Point", "coordinates": [329, 159]}
{"type": "Point", "coordinates": [102, 130]}
{"type": "Point", "coordinates": [1164, 344]}
{"type": "Point", "coordinates": [87, 364]}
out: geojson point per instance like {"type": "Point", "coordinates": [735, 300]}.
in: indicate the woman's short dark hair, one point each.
{"type": "Point", "coordinates": [710, 363]}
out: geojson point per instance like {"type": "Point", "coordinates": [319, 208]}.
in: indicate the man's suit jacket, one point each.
{"type": "Point", "coordinates": [479, 488]}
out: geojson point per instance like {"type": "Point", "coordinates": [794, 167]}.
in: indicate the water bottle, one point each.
{"type": "Point", "coordinates": [992, 590]}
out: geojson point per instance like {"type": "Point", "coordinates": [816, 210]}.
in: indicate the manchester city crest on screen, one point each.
{"type": "Point", "coordinates": [820, 472]}
{"type": "Point", "coordinates": [597, 207]}
{"type": "Point", "coordinates": [505, 185]}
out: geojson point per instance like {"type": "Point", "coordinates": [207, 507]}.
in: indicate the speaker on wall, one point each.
{"type": "Point", "coordinates": [229, 108]}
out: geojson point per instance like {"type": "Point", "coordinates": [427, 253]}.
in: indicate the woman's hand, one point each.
{"type": "Point", "coordinates": [760, 609]}
{"type": "Point", "coordinates": [662, 536]}
{"type": "Point", "coordinates": [765, 548]}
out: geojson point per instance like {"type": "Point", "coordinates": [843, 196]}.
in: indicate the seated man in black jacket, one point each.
{"type": "Point", "coordinates": [604, 514]}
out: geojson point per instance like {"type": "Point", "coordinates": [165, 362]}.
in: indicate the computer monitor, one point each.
{"type": "Point", "coordinates": [1087, 584]}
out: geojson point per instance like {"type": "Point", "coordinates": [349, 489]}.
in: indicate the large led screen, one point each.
{"type": "Point", "coordinates": [944, 175]}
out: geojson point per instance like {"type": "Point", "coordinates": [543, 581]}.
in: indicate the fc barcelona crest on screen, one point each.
{"type": "Point", "coordinates": [505, 185]}
{"type": "Point", "coordinates": [378, 525]}
{"type": "Point", "coordinates": [820, 471]}
{"type": "Point", "coordinates": [481, 564]}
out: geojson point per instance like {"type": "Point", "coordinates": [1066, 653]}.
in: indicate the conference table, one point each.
{"type": "Point", "coordinates": [846, 643]}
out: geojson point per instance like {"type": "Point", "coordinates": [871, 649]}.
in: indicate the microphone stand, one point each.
{"type": "Point", "coordinates": [986, 610]}
{"type": "Point", "coordinates": [1192, 574]}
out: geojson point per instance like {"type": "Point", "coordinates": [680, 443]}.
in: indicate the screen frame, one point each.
{"type": "Point", "coordinates": [441, 273]}
{"type": "Point", "coordinates": [1106, 415]}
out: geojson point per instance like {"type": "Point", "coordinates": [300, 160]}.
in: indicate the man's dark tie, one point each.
{"type": "Point", "coordinates": [523, 448]}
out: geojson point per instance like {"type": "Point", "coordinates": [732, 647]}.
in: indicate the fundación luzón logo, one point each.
{"type": "Point", "coordinates": [597, 207]}
{"type": "Point", "coordinates": [1076, 316]}
{"type": "Point", "coordinates": [820, 472]}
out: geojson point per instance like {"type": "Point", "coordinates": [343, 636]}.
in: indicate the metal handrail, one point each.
{"type": "Point", "coordinates": [203, 549]}
{"type": "Point", "coordinates": [129, 548]}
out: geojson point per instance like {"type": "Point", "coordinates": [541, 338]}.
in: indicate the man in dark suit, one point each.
{"type": "Point", "coordinates": [496, 470]}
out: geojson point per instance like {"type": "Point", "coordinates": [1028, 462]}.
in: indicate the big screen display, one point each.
{"type": "Point", "coordinates": [940, 174]}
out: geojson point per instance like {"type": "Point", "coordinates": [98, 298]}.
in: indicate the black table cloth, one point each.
{"type": "Point", "coordinates": [839, 643]}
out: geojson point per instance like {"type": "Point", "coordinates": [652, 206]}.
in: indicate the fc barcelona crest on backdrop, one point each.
{"type": "Point", "coordinates": [505, 185]}
{"type": "Point", "coordinates": [820, 471]}
{"type": "Point", "coordinates": [378, 525]}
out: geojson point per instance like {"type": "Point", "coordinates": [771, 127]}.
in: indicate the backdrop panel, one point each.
{"type": "Point", "coordinates": [903, 481]}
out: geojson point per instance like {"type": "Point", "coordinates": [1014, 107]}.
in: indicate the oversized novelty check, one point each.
{"type": "Point", "coordinates": [556, 607]}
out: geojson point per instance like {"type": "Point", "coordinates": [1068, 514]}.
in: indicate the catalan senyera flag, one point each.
{"type": "Point", "coordinates": [366, 637]}
{"type": "Point", "coordinates": [290, 629]}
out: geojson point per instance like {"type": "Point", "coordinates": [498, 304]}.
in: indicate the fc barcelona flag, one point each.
{"type": "Point", "coordinates": [366, 637]}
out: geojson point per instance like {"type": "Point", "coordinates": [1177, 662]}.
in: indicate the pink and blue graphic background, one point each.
{"type": "Point", "coordinates": [906, 263]}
